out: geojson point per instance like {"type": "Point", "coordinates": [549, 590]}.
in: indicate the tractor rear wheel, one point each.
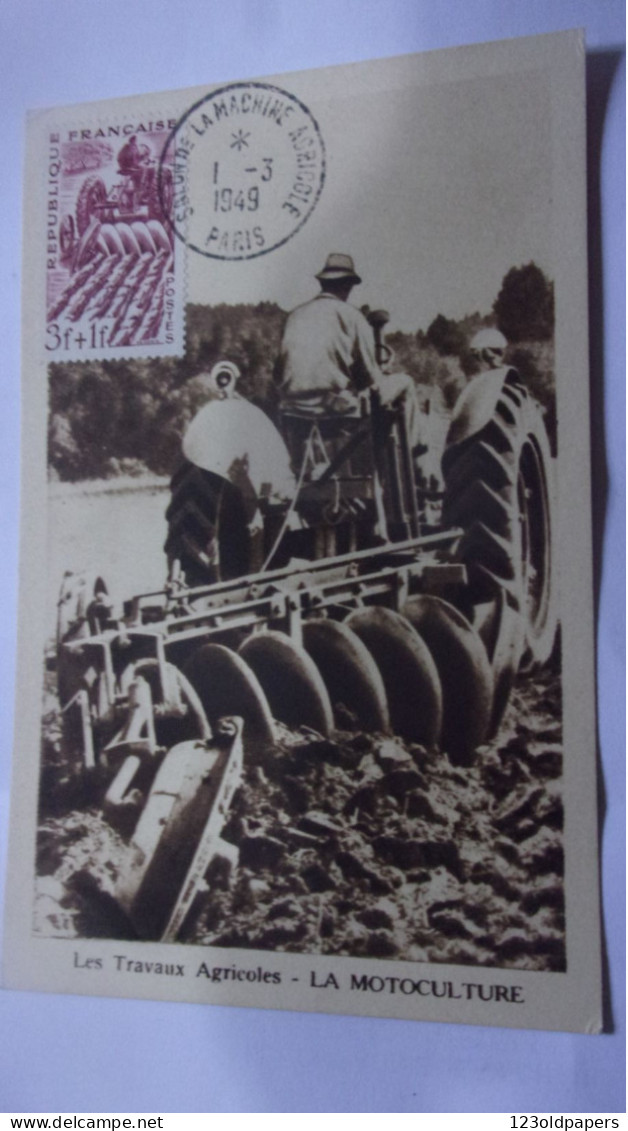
{"type": "Point", "coordinates": [498, 489]}
{"type": "Point", "coordinates": [207, 527]}
{"type": "Point", "coordinates": [67, 237]}
{"type": "Point", "coordinates": [161, 195]}
{"type": "Point", "coordinates": [92, 194]}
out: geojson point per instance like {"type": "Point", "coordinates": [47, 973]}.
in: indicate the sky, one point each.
{"type": "Point", "coordinates": [436, 190]}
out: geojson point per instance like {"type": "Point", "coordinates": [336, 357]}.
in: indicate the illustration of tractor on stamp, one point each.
{"type": "Point", "coordinates": [126, 219]}
{"type": "Point", "coordinates": [315, 580]}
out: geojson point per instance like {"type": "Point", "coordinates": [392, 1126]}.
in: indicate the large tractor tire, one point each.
{"type": "Point", "coordinates": [498, 488]}
{"type": "Point", "coordinates": [67, 238]}
{"type": "Point", "coordinates": [207, 527]}
{"type": "Point", "coordinates": [92, 194]}
{"type": "Point", "coordinates": [161, 195]}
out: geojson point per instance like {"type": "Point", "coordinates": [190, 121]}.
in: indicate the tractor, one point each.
{"type": "Point", "coordinates": [126, 219]}
{"type": "Point", "coordinates": [314, 581]}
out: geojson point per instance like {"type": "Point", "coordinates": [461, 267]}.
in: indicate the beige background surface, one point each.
{"type": "Point", "coordinates": [576, 544]}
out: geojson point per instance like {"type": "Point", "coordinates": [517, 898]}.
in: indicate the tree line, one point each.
{"type": "Point", "coordinates": [109, 418]}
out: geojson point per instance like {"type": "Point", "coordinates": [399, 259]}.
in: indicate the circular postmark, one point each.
{"type": "Point", "coordinates": [248, 164]}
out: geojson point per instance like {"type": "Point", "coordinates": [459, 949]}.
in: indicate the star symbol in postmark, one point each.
{"type": "Point", "coordinates": [239, 141]}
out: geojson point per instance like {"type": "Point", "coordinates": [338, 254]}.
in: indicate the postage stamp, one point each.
{"type": "Point", "coordinates": [249, 166]}
{"type": "Point", "coordinates": [114, 284]}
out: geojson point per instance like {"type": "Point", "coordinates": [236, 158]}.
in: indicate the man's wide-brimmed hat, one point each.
{"type": "Point", "coordinates": [339, 266]}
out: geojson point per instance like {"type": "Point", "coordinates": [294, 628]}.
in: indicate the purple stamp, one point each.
{"type": "Point", "coordinates": [248, 164]}
{"type": "Point", "coordinates": [113, 284]}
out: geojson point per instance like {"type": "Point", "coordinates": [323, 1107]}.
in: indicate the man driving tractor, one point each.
{"type": "Point", "coordinates": [327, 355]}
{"type": "Point", "coordinates": [134, 162]}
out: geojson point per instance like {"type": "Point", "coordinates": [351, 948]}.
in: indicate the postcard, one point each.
{"type": "Point", "coordinates": [305, 675]}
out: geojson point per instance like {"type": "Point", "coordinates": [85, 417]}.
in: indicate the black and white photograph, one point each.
{"type": "Point", "coordinates": [356, 561]}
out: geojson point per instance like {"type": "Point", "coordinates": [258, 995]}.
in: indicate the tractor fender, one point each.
{"type": "Point", "coordinates": [236, 440]}
{"type": "Point", "coordinates": [476, 404]}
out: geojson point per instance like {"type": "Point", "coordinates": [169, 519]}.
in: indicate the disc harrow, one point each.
{"type": "Point", "coordinates": [340, 646]}
{"type": "Point", "coordinates": [419, 635]}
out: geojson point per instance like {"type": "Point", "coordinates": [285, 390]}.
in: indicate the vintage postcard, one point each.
{"type": "Point", "coordinates": [305, 677]}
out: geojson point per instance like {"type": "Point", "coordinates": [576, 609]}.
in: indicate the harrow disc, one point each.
{"type": "Point", "coordinates": [226, 685]}
{"type": "Point", "coordinates": [464, 671]}
{"type": "Point", "coordinates": [349, 672]}
{"type": "Point", "coordinates": [159, 235]}
{"type": "Point", "coordinates": [128, 238]}
{"type": "Point", "coordinates": [166, 836]}
{"type": "Point", "coordinates": [143, 236]}
{"type": "Point", "coordinates": [292, 683]}
{"type": "Point", "coordinates": [410, 676]}
{"type": "Point", "coordinates": [109, 241]}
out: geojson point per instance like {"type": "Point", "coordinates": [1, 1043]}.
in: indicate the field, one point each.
{"type": "Point", "coordinates": [359, 845]}
{"type": "Point", "coordinates": [114, 528]}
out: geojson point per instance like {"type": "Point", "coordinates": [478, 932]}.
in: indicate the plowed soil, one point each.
{"type": "Point", "coordinates": [361, 846]}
